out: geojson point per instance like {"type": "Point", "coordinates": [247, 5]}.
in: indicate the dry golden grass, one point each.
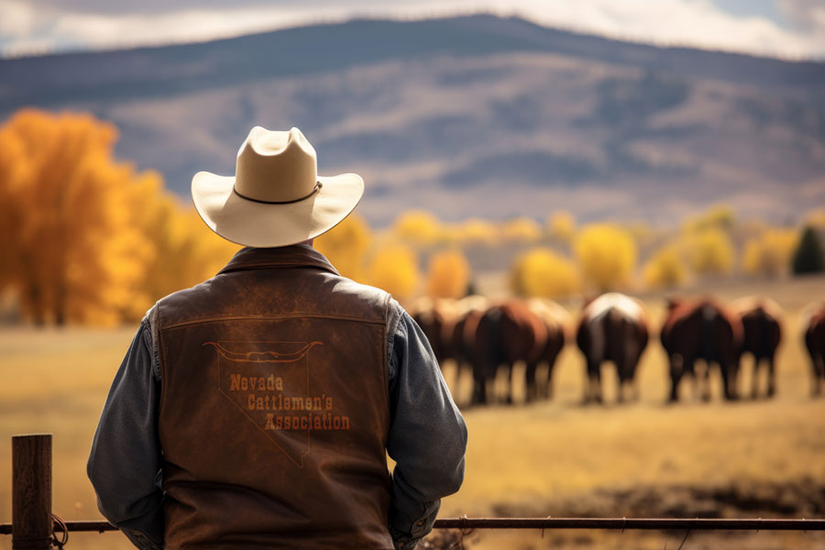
{"type": "Point", "coordinates": [536, 455]}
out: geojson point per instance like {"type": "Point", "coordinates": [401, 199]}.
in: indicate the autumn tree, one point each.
{"type": "Point", "coordinates": [71, 249]}
{"type": "Point", "coordinates": [417, 228]}
{"type": "Point", "coordinates": [770, 253]}
{"type": "Point", "coordinates": [809, 256]}
{"type": "Point", "coordinates": [719, 216]}
{"type": "Point", "coordinates": [816, 219]}
{"type": "Point", "coordinates": [709, 251]}
{"type": "Point", "coordinates": [543, 273]}
{"type": "Point", "coordinates": [184, 251]}
{"type": "Point", "coordinates": [606, 255]}
{"type": "Point", "coordinates": [89, 240]}
{"type": "Point", "coordinates": [346, 245]}
{"type": "Point", "coordinates": [394, 268]}
{"type": "Point", "coordinates": [448, 274]}
{"type": "Point", "coordinates": [476, 231]}
{"type": "Point", "coordinates": [665, 269]}
{"type": "Point", "coordinates": [521, 230]}
{"type": "Point", "coordinates": [561, 226]}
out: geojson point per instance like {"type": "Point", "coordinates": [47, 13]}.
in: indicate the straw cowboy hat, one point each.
{"type": "Point", "coordinates": [276, 197]}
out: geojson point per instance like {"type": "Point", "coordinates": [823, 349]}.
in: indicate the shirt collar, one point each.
{"type": "Point", "coordinates": [298, 255]}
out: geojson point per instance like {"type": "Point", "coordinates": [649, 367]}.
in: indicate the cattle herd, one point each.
{"type": "Point", "coordinates": [698, 335]}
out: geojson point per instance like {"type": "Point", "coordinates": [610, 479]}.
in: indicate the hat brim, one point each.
{"type": "Point", "coordinates": [261, 225]}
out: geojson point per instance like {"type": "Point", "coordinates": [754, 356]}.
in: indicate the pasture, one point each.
{"type": "Point", "coordinates": [762, 458]}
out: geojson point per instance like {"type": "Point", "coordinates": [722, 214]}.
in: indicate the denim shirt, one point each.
{"type": "Point", "coordinates": [427, 439]}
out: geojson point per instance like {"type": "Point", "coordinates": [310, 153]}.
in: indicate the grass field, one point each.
{"type": "Point", "coordinates": [762, 458]}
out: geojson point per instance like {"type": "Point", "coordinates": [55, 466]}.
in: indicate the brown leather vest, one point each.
{"type": "Point", "coordinates": [274, 412]}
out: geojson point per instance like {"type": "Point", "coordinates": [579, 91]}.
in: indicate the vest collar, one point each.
{"type": "Point", "coordinates": [299, 255]}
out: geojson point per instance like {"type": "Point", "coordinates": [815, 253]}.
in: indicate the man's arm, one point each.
{"type": "Point", "coordinates": [428, 435]}
{"type": "Point", "coordinates": [125, 461]}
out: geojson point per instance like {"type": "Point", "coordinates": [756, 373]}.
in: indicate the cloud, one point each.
{"type": "Point", "coordinates": [808, 15]}
{"type": "Point", "coordinates": [69, 24]}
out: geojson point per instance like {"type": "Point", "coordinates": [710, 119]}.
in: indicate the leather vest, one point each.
{"type": "Point", "coordinates": [274, 413]}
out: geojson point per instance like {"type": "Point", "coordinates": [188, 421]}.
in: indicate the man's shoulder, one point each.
{"type": "Point", "coordinates": [331, 294]}
{"type": "Point", "coordinates": [350, 293]}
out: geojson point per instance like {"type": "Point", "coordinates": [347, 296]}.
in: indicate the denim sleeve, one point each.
{"type": "Point", "coordinates": [125, 460]}
{"type": "Point", "coordinates": [428, 436]}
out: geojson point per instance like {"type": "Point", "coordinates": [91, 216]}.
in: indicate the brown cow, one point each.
{"type": "Point", "coordinates": [460, 325]}
{"type": "Point", "coordinates": [427, 314]}
{"type": "Point", "coordinates": [505, 334]}
{"type": "Point", "coordinates": [702, 329]}
{"type": "Point", "coordinates": [813, 326]}
{"type": "Point", "coordinates": [761, 319]}
{"type": "Point", "coordinates": [614, 328]}
{"type": "Point", "coordinates": [557, 322]}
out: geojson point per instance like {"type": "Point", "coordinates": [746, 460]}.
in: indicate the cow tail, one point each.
{"type": "Point", "coordinates": [709, 315]}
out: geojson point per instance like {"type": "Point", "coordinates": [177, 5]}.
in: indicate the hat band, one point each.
{"type": "Point", "coordinates": [315, 189]}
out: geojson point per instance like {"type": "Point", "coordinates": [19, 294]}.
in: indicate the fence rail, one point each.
{"type": "Point", "coordinates": [623, 524]}
{"type": "Point", "coordinates": [33, 525]}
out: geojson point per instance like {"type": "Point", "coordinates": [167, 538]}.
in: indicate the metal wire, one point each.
{"type": "Point", "coordinates": [637, 524]}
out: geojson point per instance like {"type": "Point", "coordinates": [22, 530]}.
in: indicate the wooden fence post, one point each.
{"type": "Point", "coordinates": [32, 524]}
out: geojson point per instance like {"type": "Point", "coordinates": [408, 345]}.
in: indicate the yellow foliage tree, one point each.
{"type": "Point", "coordinates": [770, 254]}
{"type": "Point", "coordinates": [448, 274]}
{"type": "Point", "coordinates": [476, 231]}
{"type": "Point", "coordinates": [72, 252]}
{"type": "Point", "coordinates": [665, 269]}
{"type": "Point", "coordinates": [418, 228]}
{"type": "Point", "coordinates": [346, 246]}
{"type": "Point", "coordinates": [521, 230]}
{"type": "Point", "coordinates": [89, 240]}
{"type": "Point", "coordinates": [709, 251]}
{"type": "Point", "coordinates": [395, 269]}
{"type": "Point", "coordinates": [606, 255]}
{"type": "Point", "coordinates": [815, 218]}
{"type": "Point", "coordinates": [543, 273]}
{"type": "Point", "coordinates": [717, 216]}
{"type": "Point", "coordinates": [561, 226]}
{"type": "Point", "coordinates": [184, 250]}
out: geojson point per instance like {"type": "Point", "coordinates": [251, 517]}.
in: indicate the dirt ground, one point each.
{"type": "Point", "coordinates": [753, 458]}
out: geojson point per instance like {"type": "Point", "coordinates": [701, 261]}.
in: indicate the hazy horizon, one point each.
{"type": "Point", "coordinates": [785, 29]}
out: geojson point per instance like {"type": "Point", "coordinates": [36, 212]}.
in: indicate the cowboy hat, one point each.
{"type": "Point", "coordinates": [276, 197]}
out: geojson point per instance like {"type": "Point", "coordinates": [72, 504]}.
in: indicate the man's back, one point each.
{"type": "Point", "coordinates": [274, 412]}
{"type": "Point", "coordinates": [257, 408]}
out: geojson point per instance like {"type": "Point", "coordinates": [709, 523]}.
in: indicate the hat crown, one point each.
{"type": "Point", "coordinates": [276, 166]}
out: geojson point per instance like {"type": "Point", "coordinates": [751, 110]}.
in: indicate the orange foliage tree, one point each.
{"type": "Point", "coordinates": [184, 251]}
{"type": "Point", "coordinates": [87, 239]}
{"type": "Point", "coordinates": [71, 249]}
{"type": "Point", "coordinates": [448, 274]}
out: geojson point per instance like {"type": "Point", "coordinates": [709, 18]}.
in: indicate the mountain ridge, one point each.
{"type": "Point", "coordinates": [441, 111]}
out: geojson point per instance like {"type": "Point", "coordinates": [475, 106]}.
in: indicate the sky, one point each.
{"type": "Point", "coordinates": [792, 29]}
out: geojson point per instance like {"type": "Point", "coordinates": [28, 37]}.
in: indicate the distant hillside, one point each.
{"type": "Point", "coordinates": [467, 116]}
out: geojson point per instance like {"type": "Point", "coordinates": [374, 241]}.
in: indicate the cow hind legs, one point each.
{"type": "Point", "coordinates": [676, 372]}
{"type": "Point", "coordinates": [730, 376]}
{"type": "Point", "coordinates": [593, 389]}
{"type": "Point", "coordinates": [818, 375]}
{"type": "Point", "coordinates": [530, 385]}
{"type": "Point", "coordinates": [755, 378]}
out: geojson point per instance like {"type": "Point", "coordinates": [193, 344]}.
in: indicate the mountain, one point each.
{"type": "Point", "coordinates": [466, 116]}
